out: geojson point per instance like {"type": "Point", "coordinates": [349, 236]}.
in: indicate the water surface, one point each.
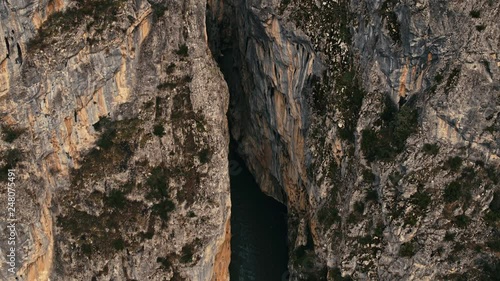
{"type": "Point", "coordinates": [258, 226]}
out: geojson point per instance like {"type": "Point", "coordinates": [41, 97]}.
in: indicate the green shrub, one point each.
{"type": "Point", "coordinates": [328, 215]}
{"type": "Point", "coordinates": [453, 192]}
{"type": "Point", "coordinates": [494, 244]}
{"type": "Point", "coordinates": [170, 68]}
{"type": "Point", "coordinates": [475, 14]}
{"type": "Point", "coordinates": [368, 176]}
{"type": "Point", "coordinates": [187, 254]}
{"type": "Point", "coordinates": [205, 155]}
{"type": "Point", "coordinates": [12, 157]}
{"type": "Point", "coordinates": [370, 144]}
{"type": "Point", "coordinates": [491, 217]}
{"type": "Point", "coordinates": [118, 244]}
{"type": "Point", "coordinates": [481, 27]}
{"type": "Point", "coordinates": [359, 207]}
{"type": "Point", "coordinates": [452, 80]}
{"type": "Point", "coordinates": [421, 199]}
{"type": "Point", "coordinates": [106, 139]}
{"type": "Point", "coordinates": [165, 262]}
{"type": "Point", "coordinates": [365, 240]}
{"type": "Point", "coordinates": [407, 249]}
{"type": "Point", "coordinates": [449, 236]}
{"type": "Point", "coordinates": [461, 221]}
{"type": "Point", "coordinates": [166, 85]}
{"type": "Point", "coordinates": [163, 208]}
{"type": "Point", "coordinates": [158, 183]}
{"type": "Point", "coordinates": [493, 174]}
{"type": "Point", "coordinates": [405, 125]}
{"type": "Point", "coordinates": [495, 202]}
{"type": "Point", "coordinates": [393, 26]}
{"type": "Point", "coordinates": [116, 199]}
{"type": "Point", "coordinates": [158, 130]}
{"type": "Point", "coordinates": [371, 195]}
{"type": "Point", "coordinates": [390, 110]}
{"type": "Point", "coordinates": [439, 78]}
{"type": "Point", "coordinates": [86, 249]}
{"type": "Point", "coordinates": [411, 220]}
{"type": "Point", "coordinates": [379, 230]}
{"type": "Point", "coordinates": [336, 274]}
{"type": "Point", "coordinates": [11, 133]}
{"type": "Point", "coordinates": [431, 149]}
{"type": "Point", "coordinates": [454, 163]}
{"type": "Point", "coordinates": [183, 51]}
{"type": "Point", "coordinates": [148, 235]}
{"type": "Point", "coordinates": [158, 10]}
{"type": "Point", "coordinates": [391, 139]}
{"type": "Point", "coordinates": [104, 122]}
{"type": "Point", "coordinates": [493, 214]}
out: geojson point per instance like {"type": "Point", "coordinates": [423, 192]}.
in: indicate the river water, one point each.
{"type": "Point", "coordinates": [258, 226]}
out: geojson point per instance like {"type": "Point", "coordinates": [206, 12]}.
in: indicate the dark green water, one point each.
{"type": "Point", "coordinates": [258, 222]}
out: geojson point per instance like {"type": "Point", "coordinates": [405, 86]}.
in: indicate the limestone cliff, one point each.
{"type": "Point", "coordinates": [113, 114]}
{"type": "Point", "coordinates": [376, 122]}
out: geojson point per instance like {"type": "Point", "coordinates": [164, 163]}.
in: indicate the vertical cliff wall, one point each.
{"type": "Point", "coordinates": [113, 114]}
{"type": "Point", "coordinates": [376, 122]}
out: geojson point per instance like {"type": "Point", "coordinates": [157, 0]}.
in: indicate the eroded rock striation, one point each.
{"type": "Point", "coordinates": [376, 123]}
{"type": "Point", "coordinates": [113, 114]}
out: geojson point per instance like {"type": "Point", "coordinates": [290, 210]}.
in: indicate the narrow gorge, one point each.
{"type": "Point", "coordinates": [244, 140]}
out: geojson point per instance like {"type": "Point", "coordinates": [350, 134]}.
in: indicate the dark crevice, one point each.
{"type": "Point", "coordinates": [19, 54]}
{"type": "Point", "coordinates": [8, 46]}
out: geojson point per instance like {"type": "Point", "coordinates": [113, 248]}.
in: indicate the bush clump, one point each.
{"type": "Point", "coordinates": [493, 214]}
{"type": "Point", "coordinates": [368, 176]}
{"type": "Point", "coordinates": [158, 189]}
{"type": "Point", "coordinates": [205, 155]}
{"type": "Point", "coordinates": [461, 221]}
{"type": "Point", "coordinates": [159, 130]}
{"type": "Point", "coordinates": [454, 163]}
{"type": "Point", "coordinates": [475, 14]}
{"type": "Point", "coordinates": [166, 85]}
{"type": "Point", "coordinates": [421, 200]}
{"type": "Point", "coordinates": [494, 244]}
{"type": "Point", "coordinates": [157, 183]}
{"type": "Point", "coordinates": [11, 133]}
{"type": "Point", "coordinates": [328, 215]}
{"type": "Point", "coordinates": [453, 192]}
{"type": "Point", "coordinates": [407, 249]}
{"type": "Point", "coordinates": [390, 140]}
{"type": "Point", "coordinates": [449, 236]}
{"type": "Point", "coordinates": [158, 10]}
{"type": "Point", "coordinates": [11, 158]}
{"type": "Point", "coordinates": [371, 195]}
{"type": "Point", "coordinates": [183, 51]}
{"type": "Point", "coordinates": [481, 27]}
{"type": "Point", "coordinates": [118, 244]}
{"type": "Point", "coordinates": [431, 149]}
{"type": "Point", "coordinates": [187, 254]}
{"type": "Point", "coordinates": [116, 199]}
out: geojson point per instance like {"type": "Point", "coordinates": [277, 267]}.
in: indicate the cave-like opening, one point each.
{"type": "Point", "coordinates": [259, 249]}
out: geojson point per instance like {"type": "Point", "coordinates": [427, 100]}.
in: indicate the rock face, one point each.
{"type": "Point", "coordinates": [113, 114]}
{"type": "Point", "coordinates": [376, 122]}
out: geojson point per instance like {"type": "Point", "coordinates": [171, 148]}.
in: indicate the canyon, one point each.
{"type": "Point", "coordinates": [374, 124]}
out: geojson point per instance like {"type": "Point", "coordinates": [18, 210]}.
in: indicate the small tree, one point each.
{"type": "Point", "coordinates": [159, 130]}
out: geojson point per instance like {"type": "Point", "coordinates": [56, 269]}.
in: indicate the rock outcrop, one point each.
{"type": "Point", "coordinates": [113, 114]}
